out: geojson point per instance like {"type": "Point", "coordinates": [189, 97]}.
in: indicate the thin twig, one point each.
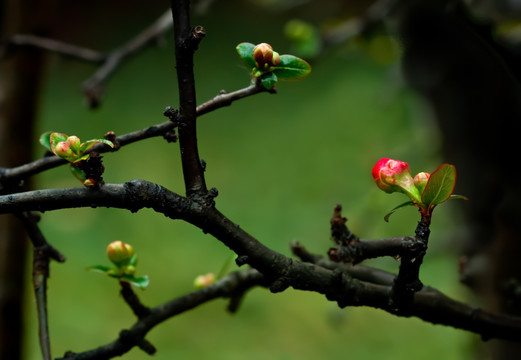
{"type": "Point", "coordinates": [93, 87]}
{"type": "Point", "coordinates": [225, 288]}
{"type": "Point", "coordinates": [56, 46]}
{"type": "Point", "coordinates": [42, 253]}
{"type": "Point", "coordinates": [11, 175]}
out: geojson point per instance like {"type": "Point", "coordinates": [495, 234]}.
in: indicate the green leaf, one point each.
{"type": "Point", "coordinates": [269, 80]}
{"type": "Point", "coordinates": [78, 173]}
{"type": "Point", "coordinates": [90, 143]}
{"type": "Point", "coordinates": [45, 140]}
{"type": "Point", "coordinates": [100, 268]}
{"type": "Point", "coordinates": [55, 138]}
{"type": "Point", "coordinates": [292, 67]}
{"type": "Point", "coordinates": [141, 281]}
{"type": "Point", "coordinates": [440, 185]}
{"type": "Point", "coordinates": [133, 260]}
{"type": "Point", "coordinates": [407, 203]}
{"type": "Point", "coordinates": [245, 51]}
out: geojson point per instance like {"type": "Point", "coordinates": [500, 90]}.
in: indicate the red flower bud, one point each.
{"type": "Point", "coordinates": [394, 175]}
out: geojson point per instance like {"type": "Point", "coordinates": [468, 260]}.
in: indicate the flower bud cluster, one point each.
{"type": "Point", "coordinates": [265, 57]}
{"type": "Point", "coordinates": [68, 149]}
{"type": "Point", "coordinates": [395, 176]}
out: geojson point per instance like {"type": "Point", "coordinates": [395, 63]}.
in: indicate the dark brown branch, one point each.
{"type": "Point", "coordinates": [407, 281]}
{"type": "Point", "coordinates": [352, 249]}
{"type": "Point", "coordinates": [225, 287]}
{"type": "Point", "coordinates": [226, 99]}
{"type": "Point", "coordinates": [186, 42]}
{"type": "Point", "coordinates": [279, 271]}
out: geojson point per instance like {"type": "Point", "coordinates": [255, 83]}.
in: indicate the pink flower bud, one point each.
{"type": "Point", "coordinates": [421, 179]}
{"type": "Point", "coordinates": [62, 149]}
{"type": "Point", "coordinates": [265, 57]}
{"type": "Point", "coordinates": [74, 143]}
{"type": "Point", "coordinates": [120, 253]}
{"type": "Point", "coordinates": [394, 176]}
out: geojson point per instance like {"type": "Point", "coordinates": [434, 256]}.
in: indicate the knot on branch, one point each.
{"type": "Point", "coordinates": [197, 33]}
{"type": "Point", "coordinates": [206, 198]}
{"type": "Point", "coordinates": [172, 114]}
{"type": "Point", "coordinates": [141, 191]}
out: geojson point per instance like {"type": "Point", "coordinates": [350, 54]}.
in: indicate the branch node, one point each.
{"type": "Point", "coordinates": [197, 33]}
{"type": "Point", "coordinates": [172, 114]}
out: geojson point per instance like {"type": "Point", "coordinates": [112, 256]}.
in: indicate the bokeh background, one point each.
{"type": "Point", "coordinates": [280, 162]}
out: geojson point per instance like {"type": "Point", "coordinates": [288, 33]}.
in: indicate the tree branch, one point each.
{"type": "Point", "coordinates": [93, 87]}
{"type": "Point", "coordinates": [13, 175]}
{"type": "Point", "coordinates": [42, 253]}
{"type": "Point", "coordinates": [56, 46]}
{"type": "Point", "coordinates": [280, 272]}
{"type": "Point", "coordinates": [225, 288]}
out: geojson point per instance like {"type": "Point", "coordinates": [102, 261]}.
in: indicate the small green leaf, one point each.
{"type": "Point", "coordinates": [440, 185]}
{"type": "Point", "coordinates": [78, 173]}
{"type": "Point", "coordinates": [407, 203]}
{"type": "Point", "coordinates": [245, 51]}
{"type": "Point", "coordinates": [55, 138]}
{"type": "Point", "coordinates": [269, 80]}
{"type": "Point", "coordinates": [45, 140]}
{"type": "Point", "coordinates": [141, 281]}
{"type": "Point", "coordinates": [133, 260]}
{"type": "Point", "coordinates": [90, 143]}
{"type": "Point", "coordinates": [292, 67]}
{"type": "Point", "coordinates": [100, 268]}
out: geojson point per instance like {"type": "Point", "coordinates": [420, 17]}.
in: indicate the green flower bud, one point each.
{"type": "Point", "coordinates": [120, 253]}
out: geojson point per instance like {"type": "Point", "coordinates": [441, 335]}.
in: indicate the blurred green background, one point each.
{"type": "Point", "coordinates": [280, 162]}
